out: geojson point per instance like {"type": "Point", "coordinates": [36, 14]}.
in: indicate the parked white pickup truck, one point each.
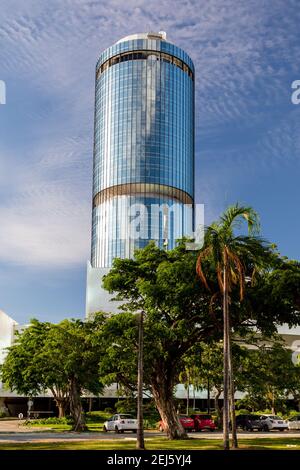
{"type": "Point", "coordinates": [120, 423]}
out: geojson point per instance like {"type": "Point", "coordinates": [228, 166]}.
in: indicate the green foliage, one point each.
{"type": "Point", "coordinates": [242, 411]}
{"type": "Point", "coordinates": [164, 285]}
{"type": "Point", "coordinates": [207, 365]}
{"type": "Point", "coordinates": [109, 410]}
{"type": "Point", "coordinates": [48, 421]}
{"type": "Point", "coordinates": [45, 356]}
{"type": "Point", "coordinates": [151, 415]}
{"type": "Point", "coordinates": [269, 376]}
{"type": "Point", "coordinates": [62, 358]}
{"type": "Point", "coordinates": [99, 416]}
{"type": "Point", "coordinates": [25, 369]}
{"type": "Point", "coordinates": [291, 413]}
{"type": "Point", "coordinates": [274, 297]}
{"type": "Point", "coordinates": [126, 405]}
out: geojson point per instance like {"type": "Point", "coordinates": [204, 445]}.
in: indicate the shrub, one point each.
{"type": "Point", "coordinates": [291, 413]}
{"type": "Point", "coordinates": [108, 410]}
{"type": "Point", "coordinates": [53, 420]}
{"type": "Point", "coordinates": [97, 416]}
{"type": "Point", "coordinates": [242, 412]}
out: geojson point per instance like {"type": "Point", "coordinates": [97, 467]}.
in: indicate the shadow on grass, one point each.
{"type": "Point", "coordinates": [156, 444]}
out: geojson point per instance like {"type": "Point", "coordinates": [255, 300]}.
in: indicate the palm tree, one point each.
{"type": "Point", "coordinates": [228, 253]}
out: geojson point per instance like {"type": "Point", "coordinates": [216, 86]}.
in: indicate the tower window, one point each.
{"type": "Point", "coordinates": [143, 55]}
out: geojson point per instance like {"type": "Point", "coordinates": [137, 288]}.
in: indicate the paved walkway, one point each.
{"type": "Point", "coordinates": [13, 431]}
{"type": "Point", "coordinates": [15, 425]}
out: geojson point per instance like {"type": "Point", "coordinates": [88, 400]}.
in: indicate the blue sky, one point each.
{"type": "Point", "coordinates": [246, 54]}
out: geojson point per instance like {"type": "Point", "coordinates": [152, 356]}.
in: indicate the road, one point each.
{"type": "Point", "coordinates": [12, 431]}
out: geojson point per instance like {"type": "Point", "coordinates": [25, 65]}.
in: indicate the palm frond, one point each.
{"type": "Point", "coordinates": [203, 254]}
{"type": "Point", "coordinates": [239, 273]}
{"type": "Point", "coordinates": [234, 215]}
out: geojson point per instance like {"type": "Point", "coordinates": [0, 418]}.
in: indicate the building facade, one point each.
{"type": "Point", "coordinates": [143, 146]}
{"type": "Point", "coordinates": [143, 175]}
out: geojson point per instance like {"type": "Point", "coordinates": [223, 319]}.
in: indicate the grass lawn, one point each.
{"type": "Point", "coordinates": [94, 421]}
{"type": "Point", "coordinates": [159, 443]}
{"type": "Point", "coordinates": [49, 427]}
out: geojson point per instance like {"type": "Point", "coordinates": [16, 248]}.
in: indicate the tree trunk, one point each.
{"type": "Point", "coordinates": [225, 358]}
{"type": "Point", "coordinates": [188, 395]}
{"type": "Point", "coordinates": [273, 403]}
{"type": "Point", "coordinates": [208, 395]}
{"type": "Point", "coordinates": [76, 407]}
{"type": "Point", "coordinates": [61, 410]}
{"type": "Point", "coordinates": [61, 401]}
{"type": "Point", "coordinates": [140, 443]}
{"type": "Point", "coordinates": [232, 401]}
{"type": "Point", "coordinates": [164, 401]}
{"type": "Point", "coordinates": [235, 444]}
{"type": "Point", "coordinates": [218, 409]}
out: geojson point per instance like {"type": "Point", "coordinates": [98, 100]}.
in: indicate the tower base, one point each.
{"type": "Point", "coordinates": [98, 299]}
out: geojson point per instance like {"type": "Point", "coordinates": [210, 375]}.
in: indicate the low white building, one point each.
{"type": "Point", "coordinates": [8, 329]}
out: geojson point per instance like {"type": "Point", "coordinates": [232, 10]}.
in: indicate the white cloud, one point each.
{"type": "Point", "coordinates": [46, 221]}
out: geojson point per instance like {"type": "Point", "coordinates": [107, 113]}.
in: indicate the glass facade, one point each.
{"type": "Point", "coordinates": [143, 186]}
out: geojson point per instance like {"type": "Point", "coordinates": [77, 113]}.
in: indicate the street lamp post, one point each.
{"type": "Point", "coordinates": [208, 395]}
{"type": "Point", "coordinates": [140, 443]}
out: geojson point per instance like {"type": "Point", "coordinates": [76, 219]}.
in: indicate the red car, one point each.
{"type": "Point", "coordinates": [186, 421]}
{"type": "Point", "coordinates": [202, 422]}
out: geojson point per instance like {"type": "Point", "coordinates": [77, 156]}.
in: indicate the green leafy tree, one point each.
{"type": "Point", "coordinates": [270, 376]}
{"type": "Point", "coordinates": [29, 372]}
{"type": "Point", "coordinates": [209, 362]}
{"type": "Point", "coordinates": [163, 284]}
{"type": "Point", "coordinates": [276, 290]}
{"type": "Point", "coordinates": [62, 358]}
{"type": "Point", "coordinates": [208, 368]}
{"type": "Point", "coordinates": [263, 370]}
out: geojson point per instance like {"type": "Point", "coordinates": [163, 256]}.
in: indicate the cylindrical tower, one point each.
{"type": "Point", "coordinates": [143, 186]}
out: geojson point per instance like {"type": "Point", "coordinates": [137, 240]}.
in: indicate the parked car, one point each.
{"type": "Point", "coordinates": [249, 422]}
{"type": "Point", "coordinates": [203, 421]}
{"type": "Point", "coordinates": [120, 423]}
{"type": "Point", "coordinates": [271, 422]}
{"type": "Point", "coordinates": [186, 421]}
{"type": "Point", "coordinates": [294, 422]}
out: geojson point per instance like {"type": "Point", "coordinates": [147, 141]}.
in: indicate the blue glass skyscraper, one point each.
{"type": "Point", "coordinates": [143, 176]}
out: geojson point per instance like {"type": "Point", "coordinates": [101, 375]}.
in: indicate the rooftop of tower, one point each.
{"type": "Point", "coordinates": [161, 35]}
{"type": "Point", "coordinates": [147, 41]}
